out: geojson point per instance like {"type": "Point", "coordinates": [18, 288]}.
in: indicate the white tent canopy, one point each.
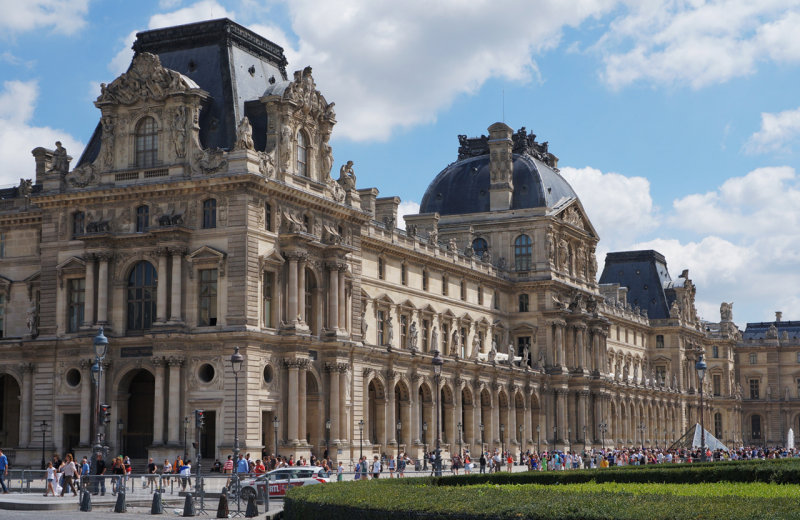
{"type": "Point", "coordinates": [692, 439]}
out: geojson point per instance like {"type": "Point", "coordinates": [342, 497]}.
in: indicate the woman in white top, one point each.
{"type": "Point", "coordinates": [70, 472]}
{"type": "Point", "coordinates": [51, 477]}
{"type": "Point", "coordinates": [376, 468]}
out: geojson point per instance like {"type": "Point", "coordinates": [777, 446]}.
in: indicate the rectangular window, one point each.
{"type": "Point", "coordinates": [268, 217]}
{"type": "Point", "coordinates": [208, 298]}
{"type": "Point", "coordinates": [403, 274]}
{"type": "Point", "coordinates": [2, 245]}
{"type": "Point", "coordinates": [78, 223]}
{"type": "Point", "coordinates": [717, 384]}
{"type": "Point", "coordinates": [209, 214]}
{"type": "Point", "coordinates": [715, 351]}
{"type": "Point", "coordinates": [755, 427]}
{"type": "Point", "coordinates": [76, 296]}
{"type": "Point", "coordinates": [480, 295]}
{"type": "Point", "coordinates": [269, 287]}
{"type": "Point", "coordinates": [425, 331]}
{"type": "Point", "coordinates": [403, 330]}
{"type": "Point", "coordinates": [659, 341]}
{"type": "Point", "coordinates": [523, 303]}
{"type": "Point", "coordinates": [798, 388]}
{"type": "Point", "coordinates": [480, 340]}
{"type": "Point", "coordinates": [718, 425]}
{"type": "Point", "coordinates": [753, 358]}
{"type": "Point", "coordinates": [754, 389]}
{"type": "Point", "coordinates": [380, 325]}
{"type": "Point", "coordinates": [425, 280]}
{"type": "Point", "coordinates": [661, 373]}
{"type": "Point", "coordinates": [2, 316]}
{"type": "Point", "coordinates": [444, 285]}
{"type": "Point", "coordinates": [381, 269]}
{"type": "Point", "coordinates": [463, 290]}
{"type": "Point", "coordinates": [496, 301]}
{"type": "Point", "coordinates": [798, 357]}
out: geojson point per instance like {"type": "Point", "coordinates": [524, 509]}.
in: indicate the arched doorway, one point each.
{"type": "Point", "coordinates": [9, 411]}
{"type": "Point", "coordinates": [425, 399]}
{"type": "Point", "coordinates": [314, 423]}
{"type": "Point", "coordinates": [467, 417]}
{"type": "Point", "coordinates": [139, 421]}
{"type": "Point", "coordinates": [375, 412]}
{"type": "Point", "coordinates": [486, 418]}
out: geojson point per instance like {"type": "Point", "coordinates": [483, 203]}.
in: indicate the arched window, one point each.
{"type": "Point", "coordinates": [142, 219]}
{"type": "Point", "coordinates": [718, 425]}
{"type": "Point", "coordinates": [523, 303]}
{"type": "Point", "coordinates": [302, 161]}
{"type": "Point", "coordinates": [146, 143]}
{"type": "Point", "coordinates": [78, 223]}
{"type": "Point", "coordinates": [755, 427]}
{"type": "Point", "coordinates": [522, 253]}
{"type": "Point", "coordinates": [142, 284]}
{"type": "Point", "coordinates": [209, 213]}
{"type": "Point", "coordinates": [480, 246]}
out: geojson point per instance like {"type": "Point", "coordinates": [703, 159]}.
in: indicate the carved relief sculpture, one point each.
{"type": "Point", "coordinates": [244, 135]}
{"type": "Point", "coordinates": [107, 124]}
{"type": "Point", "coordinates": [347, 178]}
{"type": "Point", "coordinates": [61, 160]}
{"type": "Point", "coordinates": [179, 131]}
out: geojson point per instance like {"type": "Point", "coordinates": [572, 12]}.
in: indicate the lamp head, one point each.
{"type": "Point", "coordinates": [437, 363]}
{"type": "Point", "coordinates": [237, 360]}
{"type": "Point", "coordinates": [100, 344]}
{"type": "Point", "coordinates": [96, 372]}
{"type": "Point", "coordinates": [424, 426]}
{"type": "Point", "coordinates": [502, 428]}
{"type": "Point", "coordinates": [538, 428]}
{"type": "Point", "coordinates": [701, 367]}
{"type": "Point", "coordinates": [399, 425]}
{"type": "Point", "coordinates": [328, 424]}
{"type": "Point", "coordinates": [276, 422]}
{"type": "Point", "coordinates": [482, 426]}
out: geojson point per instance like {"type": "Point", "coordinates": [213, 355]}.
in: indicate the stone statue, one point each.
{"type": "Point", "coordinates": [327, 160]}
{"type": "Point", "coordinates": [563, 255]}
{"type": "Point", "coordinates": [541, 361]}
{"type": "Point", "coordinates": [452, 245]}
{"type": "Point", "coordinates": [769, 393]}
{"type": "Point", "coordinates": [511, 353]}
{"type": "Point", "coordinates": [526, 355]}
{"type": "Point", "coordinates": [364, 323]}
{"type": "Point", "coordinates": [487, 255]}
{"type": "Point", "coordinates": [786, 394]}
{"type": "Point", "coordinates": [32, 320]}
{"type": "Point", "coordinates": [107, 123]}
{"type": "Point", "coordinates": [674, 382]}
{"type": "Point", "coordinates": [726, 311]}
{"type": "Point", "coordinates": [286, 146]}
{"type": "Point", "coordinates": [476, 346]}
{"type": "Point", "coordinates": [60, 160]}
{"type": "Point", "coordinates": [551, 247]}
{"type": "Point", "coordinates": [674, 310]}
{"type": "Point", "coordinates": [492, 353]}
{"type": "Point", "coordinates": [456, 342]}
{"type": "Point", "coordinates": [434, 339]}
{"type": "Point", "coordinates": [413, 336]}
{"type": "Point", "coordinates": [433, 237]}
{"type": "Point", "coordinates": [25, 189]}
{"type": "Point", "coordinates": [244, 135]}
{"type": "Point", "coordinates": [389, 332]}
{"type": "Point", "coordinates": [179, 130]}
{"type": "Point", "coordinates": [772, 332]}
{"type": "Point", "coordinates": [347, 178]}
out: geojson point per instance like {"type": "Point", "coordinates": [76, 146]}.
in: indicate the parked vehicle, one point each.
{"type": "Point", "coordinates": [280, 480]}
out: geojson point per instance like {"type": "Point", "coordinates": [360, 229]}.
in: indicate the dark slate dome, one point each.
{"type": "Point", "coordinates": [463, 187]}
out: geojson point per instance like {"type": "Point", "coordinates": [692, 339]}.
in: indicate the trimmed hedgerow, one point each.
{"type": "Point", "coordinates": [743, 490]}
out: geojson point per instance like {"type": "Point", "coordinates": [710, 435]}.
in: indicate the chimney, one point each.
{"type": "Point", "coordinates": [501, 167]}
{"type": "Point", "coordinates": [778, 316]}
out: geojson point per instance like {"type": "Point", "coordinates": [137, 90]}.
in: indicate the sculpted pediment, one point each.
{"type": "Point", "coordinates": [70, 266]}
{"type": "Point", "coordinates": [146, 79]}
{"type": "Point", "coordinates": [207, 256]}
{"type": "Point", "coordinates": [574, 215]}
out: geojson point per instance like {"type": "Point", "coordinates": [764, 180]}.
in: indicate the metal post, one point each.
{"type": "Point", "coordinates": [437, 363]}
{"type": "Point", "coordinates": [44, 429]}
{"type": "Point", "coordinates": [701, 366]}
{"type": "Point", "coordinates": [275, 424]}
{"type": "Point", "coordinates": [185, 429]}
{"type": "Point", "coordinates": [327, 437]}
{"type": "Point", "coordinates": [538, 430]}
{"type": "Point", "coordinates": [502, 441]}
{"type": "Point", "coordinates": [555, 437]}
{"type": "Point", "coordinates": [361, 439]}
{"type": "Point", "coordinates": [237, 361]}
{"type": "Point", "coordinates": [425, 446]}
{"type": "Point", "coordinates": [100, 349]}
{"type": "Point", "coordinates": [584, 438]}
{"type": "Point", "coordinates": [603, 427]}
{"type": "Point", "coordinates": [521, 444]}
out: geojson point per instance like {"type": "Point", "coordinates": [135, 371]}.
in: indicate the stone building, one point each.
{"type": "Point", "coordinates": [202, 216]}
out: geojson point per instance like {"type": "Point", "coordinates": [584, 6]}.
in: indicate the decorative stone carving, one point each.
{"type": "Point", "coordinates": [25, 189]}
{"type": "Point", "coordinates": [413, 336]}
{"type": "Point", "coordinates": [366, 373]}
{"type": "Point", "coordinates": [476, 346]}
{"type": "Point", "coordinates": [179, 131]}
{"type": "Point", "coordinates": [726, 311]}
{"type": "Point", "coordinates": [266, 164]}
{"type": "Point", "coordinates": [244, 135]}
{"type": "Point", "coordinates": [563, 255]}
{"type": "Point", "coordinates": [572, 216]}
{"type": "Point", "coordinates": [347, 178]}
{"type": "Point", "coordinates": [286, 146]}
{"type": "Point", "coordinates": [146, 79]}
{"type": "Point", "coordinates": [434, 339]}
{"type": "Point", "coordinates": [335, 190]}
{"type": "Point", "coordinates": [389, 332]}
{"type": "Point", "coordinates": [526, 355]}
{"type": "Point", "coordinates": [292, 223]}
{"type": "Point", "coordinates": [674, 310]}
{"type": "Point", "coordinates": [327, 159]}
{"type": "Point", "coordinates": [772, 332]}
{"type": "Point", "coordinates": [60, 164]}
{"type": "Point", "coordinates": [209, 161]}
{"type": "Point", "coordinates": [32, 320]}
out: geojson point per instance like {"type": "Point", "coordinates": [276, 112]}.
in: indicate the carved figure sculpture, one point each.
{"type": "Point", "coordinates": [563, 254]}
{"type": "Point", "coordinates": [413, 336]}
{"type": "Point", "coordinates": [364, 323]}
{"type": "Point", "coordinates": [434, 339]}
{"type": "Point", "coordinates": [25, 189]}
{"type": "Point", "coordinates": [726, 311]}
{"type": "Point", "coordinates": [772, 332]}
{"type": "Point", "coordinates": [674, 310]}
{"type": "Point", "coordinates": [476, 346]}
{"type": "Point", "coordinates": [347, 178]}
{"type": "Point", "coordinates": [327, 159]}
{"type": "Point", "coordinates": [389, 332]}
{"type": "Point", "coordinates": [179, 130]}
{"type": "Point", "coordinates": [526, 355]}
{"type": "Point", "coordinates": [244, 135]}
{"type": "Point", "coordinates": [492, 353]}
{"type": "Point", "coordinates": [107, 123]}
{"type": "Point", "coordinates": [456, 342]}
{"type": "Point", "coordinates": [285, 146]}
{"type": "Point", "coordinates": [60, 160]}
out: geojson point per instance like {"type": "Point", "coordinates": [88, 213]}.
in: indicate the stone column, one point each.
{"type": "Point", "coordinates": [175, 307]}
{"type": "Point", "coordinates": [495, 437]}
{"type": "Point", "coordinates": [599, 418]}
{"type": "Point", "coordinates": [302, 399]}
{"type": "Point", "coordinates": [561, 412]}
{"type": "Point", "coordinates": [342, 301]}
{"type": "Point", "coordinates": [476, 418]}
{"type": "Point", "coordinates": [511, 425]}
{"type": "Point", "coordinates": [458, 413]}
{"type": "Point", "coordinates": [102, 288]}
{"type": "Point", "coordinates": [291, 286]}
{"type": "Point", "coordinates": [528, 418]}
{"type": "Point", "coordinates": [583, 401]}
{"type": "Point", "coordinates": [174, 425]}
{"type": "Point", "coordinates": [292, 365]}
{"type": "Point", "coordinates": [580, 346]}
{"type": "Point", "coordinates": [161, 289]}
{"type": "Point", "coordinates": [391, 423]}
{"type": "Point", "coordinates": [88, 315]}
{"type": "Point", "coordinates": [26, 405]}
{"type": "Point", "coordinates": [333, 296]}
{"type": "Point", "coordinates": [333, 373]}
{"type": "Point", "coordinates": [301, 289]}
{"type": "Point", "coordinates": [86, 403]}
{"type": "Point", "coordinates": [558, 343]}
{"type": "Point", "coordinates": [158, 402]}
{"type": "Point", "coordinates": [405, 417]}
{"type": "Point", "coordinates": [414, 423]}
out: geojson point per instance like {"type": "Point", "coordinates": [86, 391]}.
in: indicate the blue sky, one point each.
{"type": "Point", "coordinates": [677, 122]}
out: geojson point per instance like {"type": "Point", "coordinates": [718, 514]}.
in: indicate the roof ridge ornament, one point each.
{"type": "Point", "coordinates": [145, 79]}
{"type": "Point", "coordinates": [524, 143]}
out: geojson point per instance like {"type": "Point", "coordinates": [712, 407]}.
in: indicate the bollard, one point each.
{"type": "Point", "coordinates": [120, 507]}
{"type": "Point", "coordinates": [222, 508]}
{"type": "Point", "coordinates": [188, 506]}
{"type": "Point", "coordinates": [157, 508]}
{"type": "Point", "coordinates": [252, 508]}
{"type": "Point", "coordinates": [86, 501]}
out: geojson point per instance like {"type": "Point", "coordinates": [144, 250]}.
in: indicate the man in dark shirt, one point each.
{"type": "Point", "coordinates": [100, 469]}
{"type": "Point", "coordinates": [151, 474]}
{"type": "Point", "coordinates": [483, 462]}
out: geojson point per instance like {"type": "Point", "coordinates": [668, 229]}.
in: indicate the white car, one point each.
{"type": "Point", "coordinates": [281, 479]}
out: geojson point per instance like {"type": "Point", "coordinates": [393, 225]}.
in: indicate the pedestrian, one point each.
{"type": "Point", "coordinates": [3, 471]}
{"type": "Point", "coordinates": [339, 472]}
{"type": "Point", "coordinates": [99, 472]}
{"type": "Point", "coordinates": [151, 474]}
{"type": "Point", "coordinates": [482, 462]}
{"type": "Point", "coordinates": [227, 468]}
{"type": "Point", "coordinates": [376, 468]}
{"type": "Point", "coordinates": [185, 472]}
{"type": "Point", "coordinates": [391, 466]}
{"type": "Point", "coordinates": [51, 478]}
{"type": "Point", "coordinates": [70, 470]}
{"type": "Point", "coordinates": [85, 470]}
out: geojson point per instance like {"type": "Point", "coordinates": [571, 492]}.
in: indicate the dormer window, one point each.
{"type": "Point", "coordinates": [142, 219]}
{"type": "Point", "coordinates": [78, 223]}
{"type": "Point", "coordinates": [146, 143]}
{"type": "Point", "coordinates": [209, 213]}
{"type": "Point", "coordinates": [302, 160]}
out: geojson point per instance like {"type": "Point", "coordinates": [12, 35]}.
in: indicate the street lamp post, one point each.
{"type": "Point", "coordinates": [502, 440]}
{"type": "Point", "coordinates": [603, 427]}
{"type": "Point", "coordinates": [276, 423]}
{"type": "Point", "coordinates": [460, 449]}
{"type": "Point", "coordinates": [538, 430]}
{"type": "Point", "coordinates": [44, 430]}
{"type": "Point", "coordinates": [399, 430]}
{"type": "Point", "coordinates": [185, 433]}
{"type": "Point", "coordinates": [665, 439]}
{"type": "Point", "coordinates": [361, 439]}
{"type": "Point", "coordinates": [237, 360]}
{"type": "Point", "coordinates": [327, 437]}
{"type": "Point", "coordinates": [701, 366]}
{"type": "Point", "coordinates": [569, 438]}
{"type": "Point", "coordinates": [482, 441]}
{"type": "Point", "coordinates": [555, 437]}
{"type": "Point", "coordinates": [521, 444]}
{"type": "Point", "coordinates": [425, 446]}
{"type": "Point", "coordinates": [584, 438]}
{"type": "Point", "coordinates": [120, 427]}
{"type": "Point", "coordinates": [437, 363]}
{"type": "Point", "coordinates": [642, 428]}
{"type": "Point", "coordinates": [100, 350]}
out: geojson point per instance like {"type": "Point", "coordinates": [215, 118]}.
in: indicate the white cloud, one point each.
{"type": "Point", "coordinates": [18, 137]}
{"type": "Point", "coordinates": [620, 208]}
{"type": "Point", "coordinates": [776, 133]}
{"type": "Point", "coordinates": [697, 43]}
{"type": "Point", "coordinates": [407, 207]}
{"type": "Point", "coordinates": [203, 10]}
{"type": "Point", "coordinates": [62, 16]}
{"type": "Point", "coordinates": [395, 67]}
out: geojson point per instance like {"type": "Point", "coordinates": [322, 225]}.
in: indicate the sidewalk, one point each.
{"type": "Point", "coordinates": [36, 502]}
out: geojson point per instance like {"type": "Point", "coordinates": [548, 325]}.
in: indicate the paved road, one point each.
{"type": "Point", "coordinates": [107, 513]}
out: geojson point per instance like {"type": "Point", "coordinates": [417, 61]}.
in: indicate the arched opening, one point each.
{"type": "Point", "coordinates": [486, 417]}
{"type": "Point", "coordinates": [446, 422]}
{"type": "Point", "coordinates": [426, 426]}
{"type": "Point", "coordinates": [537, 426]}
{"type": "Point", "coordinates": [142, 285]}
{"type": "Point", "coordinates": [402, 415]}
{"type": "Point", "coordinates": [467, 417]}
{"type": "Point", "coordinates": [315, 436]}
{"type": "Point", "coordinates": [9, 411]}
{"type": "Point", "coordinates": [480, 246]}
{"type": "Point", "coordinates": [519, 419]}
{"type": "Point", "coordinates": [522, 253]}
{"type": "Point", "coordinates": [505, 434]}
{"type": "Point", "coordinates": [756, 434]}
{"type": "Point", "coordinates": [140, 392]}
{"type": "Point", "coordinates": [309, 308]}
{"type": "Point", "coordinates": [718, 426]}
{"type": "Point", "coordinates": [376, 412]}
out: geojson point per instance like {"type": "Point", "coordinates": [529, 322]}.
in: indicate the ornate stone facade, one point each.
{"type": "Point", "coordinates": [183, 250]}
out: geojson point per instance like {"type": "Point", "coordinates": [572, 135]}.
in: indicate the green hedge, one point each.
{"type": "Point", "coordinates": [528, 495]}
{"type": "Point", "coordinates": [379, 500]}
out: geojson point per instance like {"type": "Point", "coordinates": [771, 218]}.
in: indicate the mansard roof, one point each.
{"type": "Point", "coordinates": [760, 330]}
{"type": "Point", "coordinates": [645, 275]}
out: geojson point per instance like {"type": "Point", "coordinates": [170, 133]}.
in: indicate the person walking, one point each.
{"type": "Point", "coordinates": [482, 462]}
{"type": "Point", "coordinates": [99, 471]}
{"type": "Point", "coordinates": [3, 472]}
{"type": "Point", "coordinates": [376, 468]}
{"type": "Point", "coordinates": [69, 470]}
{"type": "Point", "coordinates": [339, 472]}
{"type": "Point", "coordinates": [51, 479]}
